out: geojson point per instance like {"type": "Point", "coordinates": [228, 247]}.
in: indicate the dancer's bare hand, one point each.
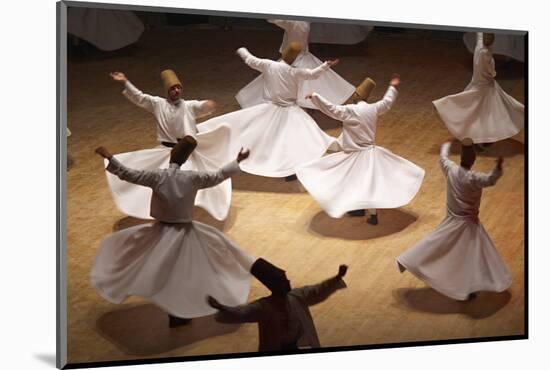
{"type": "Point", "coordinates": [499, 162]}
{"type": "Point", "coordinates": [395, 80]}
{"type": "Point", "coordinates": [342, 270]}
{"type": "Point", "coordinates": [309, 96]}
{"type": "Point", "coordinates": [102, 151]}
{"type": "Point", "coordinates": [243, 154]}
{"type": "Point", "coordinates": [118, 76]}
{"type": "Point", "coordinates": [210, 105]}
{"type": "Point", "coordinates": [213, 302]}
{"type": "Point", "coordinates": [332, 63]}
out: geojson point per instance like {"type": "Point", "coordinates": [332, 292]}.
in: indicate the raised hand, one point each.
{"type": "Point", "coordinates": [243, 154]}
{"type": "Point", "coordinates": [118, 76]}
{"type": "Point", "coordinates": [395, 80]}
{"type": "Point", "coordinates": [332, 63]}
{"type": "Point", "coordinates": [213, 302]}
{"type": "Point", "coordinates": [499, 162]}
{"type": "Point", "coordinates": [308, 96]}
{"type": "Point", "coordinates": [102, 151]}
{"type": "Point", "coordinates": [210, 105]}
{"type": "Point", "coordinates": [342, 270]}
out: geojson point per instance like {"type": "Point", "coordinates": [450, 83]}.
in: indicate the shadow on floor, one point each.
{"type": "Point", "coordinates": [143, 330]}
{"type": "Point", "coordinates": [428, 300]}
{"type": "Point", "coordinates": [248, 182]}
{"type": "Point", "coordinates": [505, 148]}
{"type": "Point", "coordinates": [390, 221]}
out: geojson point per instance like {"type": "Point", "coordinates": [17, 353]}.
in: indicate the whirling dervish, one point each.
{"type": "Point", "coordinates": [483, 111]}
{"type": "Point", "coordinates": [330, 84]}
{"type": "Point", "coordinates": [279, 133]}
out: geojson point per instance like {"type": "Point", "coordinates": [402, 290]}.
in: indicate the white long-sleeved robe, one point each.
{"type": "Point", "coordinates": [459, 257]}
{"type": "Point", "coordinates": [483, 111]}
{"type": "Point", "coordinates": [175, 262]}
{"type": "Point", "coordinates": [512, 46]}
{"type": "Point", "coordinates": [363, 175]}
{"type": "Point", "coordinates": [173, 121]}
{"type": "Point", "coordinates": [279, 134]}
{"type": "Point", "coordinates": [330, 84]}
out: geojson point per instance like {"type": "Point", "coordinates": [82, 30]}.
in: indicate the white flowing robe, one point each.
{"type": "Point", "coordinates": [483, 111]}
{"type": "Point", "coordinates": [107, 29]}
{"type": "Point", "coordinates": [279, 134]}
{"type": "Point", "coordinates": [459, 258]}
{"type": "Point", "coordinates": [330, 84]}
{"type": "Point", "coordinates": [363, 175]}
{"type": "Point", "coordinates": [512, 46]}
{"type": "Point", "coordinates": [334, 33]}
{"type": "Point", "coordinates": [173, 121]}
{"type": "Point", "coordinates": [174, 262]}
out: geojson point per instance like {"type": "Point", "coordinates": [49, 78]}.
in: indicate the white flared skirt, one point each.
{"type": "Point", "coordinates": [370, 178]}
{"type": "Point", "coordinates": [279, 138]}
{"type": "Point", "coordinates": [457, 259]}
{"type": "Point", "coordinates": [173, 265]}
{"type": "Point", "coordinates": [135, 200]}
{"type": "Point", "coordinates": [485, 114]}
{"type": "Point", "coordinates": [106, 29]}
{"type": "Point", "coordinates": [330, 85]}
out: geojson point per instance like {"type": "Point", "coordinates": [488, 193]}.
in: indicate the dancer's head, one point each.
{"type": "Point", "coordinates": [271, 276]}
{"type": "Point", "coordinates": [363, 91]}
{"type": "Point", "coordinates": [183, 150]}
{"type": "Point", "coordinates": [488, 38]}
{"type": "Point", "coordinates": [172, 85]}
{"type": "Point", "coordinates": [291, 52]}
{"type": "Point", "coordinates": [467, 153]}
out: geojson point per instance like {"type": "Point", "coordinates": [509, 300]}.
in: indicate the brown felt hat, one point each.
{"type": "Point", "coordinates": [291, 52]}
{"type": "Point", "coordinates": [169, 79]}
{"type": "Point", "coordinates": [365, 88]}
{"type": "Point", "coordinates": [488, 39]}
{"type": "Point", "coordinates": [467, 142]}
{"type": "Point", "coordinates": [467, 152]}
{"type": "Point", "coordinates": [183, 149]}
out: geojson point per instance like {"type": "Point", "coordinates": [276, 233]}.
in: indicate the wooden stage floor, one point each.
{"type": "Point", "coordinates": [280, 221]}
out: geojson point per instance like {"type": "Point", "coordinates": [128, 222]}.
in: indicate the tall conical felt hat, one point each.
{"type": "Point", "coordinates": [183, 149]}
{"type": "Point", "coordinates": [365, 88]}
{"type": "Point", "coordinates": [467, 148]}
{"type": "Point", "coordinates": [488, 38]}
{"type": "Point", "coordinates": [267, 273]}
{"type": "Point", "coordinates": [291, 52]}
{"type": "Point", "coordinates": [169, 79]}
{"type": "Point", "coordinates": [467, 142]}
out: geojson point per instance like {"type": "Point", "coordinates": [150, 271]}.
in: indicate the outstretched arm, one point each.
{"type": "Point", "coordinates": [133, 94]}
{"type": "Point", "coordinates": [281, 23]}
{"type": "Point", "coordinates": [245, 313]}
{"type": "Point", "coordinates": [251, 61]}
{"type": "Point", "coordinates": [444, 161]}
{"type": "Point", "coordinates": [489, 179]}
{"type": "Point", "coordinates": [479, 40]}
{"type": "Point", "coordinates": [338, 112]}
{"type": "Point", "coordinates": [144, 178]}
{"type": "Point", "coordinates": [201, 108]}
{"type": "Point", "coordinates": [312, 74]}
{"type": "Point", "coordinates": [208, 179]}
{"type": "Point", "coordinates": [384, 105]}
{"type": "Point", "coordinates": [314, 294]}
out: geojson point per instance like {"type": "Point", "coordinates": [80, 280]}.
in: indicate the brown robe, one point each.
{"type": "Point", "coordinates": [284, 322]}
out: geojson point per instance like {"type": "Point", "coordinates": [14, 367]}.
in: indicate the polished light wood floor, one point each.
{"type": "Point", "coordinates": [278, 220]}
